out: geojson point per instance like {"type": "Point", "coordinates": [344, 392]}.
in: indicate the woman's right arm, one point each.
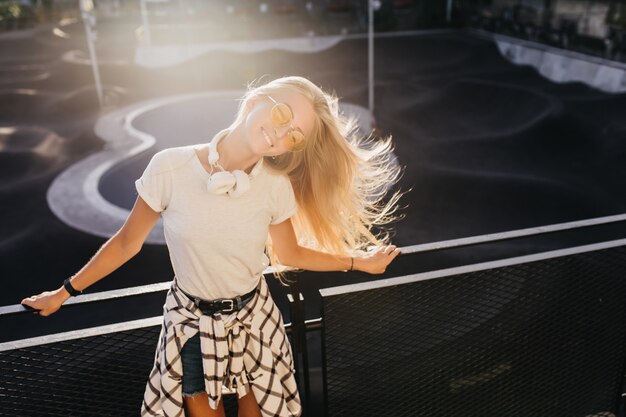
{"type": "Point", "coordinates": [116, 251]}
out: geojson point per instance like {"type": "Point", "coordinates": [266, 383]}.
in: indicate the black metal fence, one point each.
{"type": "Point", "coordinates": [517, 326]}
{"type": "Point", "coordinates": [102, 372]}
{"type": "Point", "coordinates": [525, 337]}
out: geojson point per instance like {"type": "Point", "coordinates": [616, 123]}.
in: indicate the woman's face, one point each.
{"type": "Point", "coordinates": [267, 139]}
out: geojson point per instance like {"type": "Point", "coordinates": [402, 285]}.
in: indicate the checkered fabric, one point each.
{"type": "Point", "coordinates": [249, 351]}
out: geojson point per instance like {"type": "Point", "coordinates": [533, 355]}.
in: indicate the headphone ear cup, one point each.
{"type": "Point", "coordinates": [242, 183]}
{"type": "Point", "coordinates": [213, 154]}
{"type": "Point", "coordinates": [221, 182]}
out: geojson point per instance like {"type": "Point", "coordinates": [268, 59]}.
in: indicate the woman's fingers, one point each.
{"type": "Point", "coordinates": [27, 301]}
{"type": "Point", "coordinates": [389, 249]}
{"type": "Point", "coordinates": [391, 254]}
{"type": "Point", "coordinates": [27, 305]}
{"type": "Point", "coordinates": [379, 257]}
{"type": "Point", "coordinates": [42, 303]}
{"type": "Point", "coordinates": [33, 299]}
{"type": "Point", "coordinates": [384, 256]}
{"type": "Point", "coordinates": [30, 304]}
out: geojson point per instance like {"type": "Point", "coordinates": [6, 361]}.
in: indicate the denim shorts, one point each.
{"type": "Point", "coordinates": [191, 356]}
{"type": "Point", "coordinates": [193, 374]}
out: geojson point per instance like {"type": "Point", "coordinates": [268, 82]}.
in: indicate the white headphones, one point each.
{"type": "Point", "coordinates": [224, 182]}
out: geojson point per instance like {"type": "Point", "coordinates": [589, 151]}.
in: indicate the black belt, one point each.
{"type": "Point", "coordinates": [222, 305]}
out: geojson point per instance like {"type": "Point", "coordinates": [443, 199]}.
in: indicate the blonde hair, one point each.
{"type": "Point", "coordinates": [339, 179]}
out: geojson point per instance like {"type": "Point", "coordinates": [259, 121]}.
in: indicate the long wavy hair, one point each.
{"type": "Point", "coordinates": [339, 179]}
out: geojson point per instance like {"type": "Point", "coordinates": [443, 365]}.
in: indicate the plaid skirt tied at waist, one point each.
{"type": "Point", "coordinates": [248, 352]}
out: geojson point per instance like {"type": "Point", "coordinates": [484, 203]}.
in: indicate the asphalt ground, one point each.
{"type": "Point", "coordinates": [487, 146]}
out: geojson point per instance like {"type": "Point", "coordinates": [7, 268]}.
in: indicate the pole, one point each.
{"type": "Point", "coordinates": [86, 8]}
{"type": "Point", "coordinates": [145, 23]}
{"type": "Point", "coordinates": [370, 54]}
{"type": "Point", "coordinates": [448, 11]}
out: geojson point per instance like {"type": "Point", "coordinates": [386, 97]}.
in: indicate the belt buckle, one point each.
{"type": "Point", "coordinates": [230, 308]}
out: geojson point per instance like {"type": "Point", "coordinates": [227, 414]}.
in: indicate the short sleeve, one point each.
{"type": "Point", "coordinates": [284, 200]}
{"type": "Point", "coordinates": [155, 184]}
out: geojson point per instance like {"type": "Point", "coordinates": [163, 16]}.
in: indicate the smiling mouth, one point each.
{"type": "Point", "coordinates": [267, 138]}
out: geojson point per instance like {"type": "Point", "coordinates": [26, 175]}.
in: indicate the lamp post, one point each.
{"type": "Point", "coordinates": [371, 4]}
{"type": "Point", "coordinates": [145, 22]}
{"type": "Point", "coordinates": [89, 19]}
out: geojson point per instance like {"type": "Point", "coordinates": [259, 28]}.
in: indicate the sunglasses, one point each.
{"type": "Point", "coordinates": [282, 116]}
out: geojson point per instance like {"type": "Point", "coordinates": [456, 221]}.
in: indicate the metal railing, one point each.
{"type": "Point", "coordinates": [533, 335]}
{"type": "Point", "coordinates": [74, 358]}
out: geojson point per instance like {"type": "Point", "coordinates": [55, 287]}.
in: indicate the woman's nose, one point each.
{"type": "Point", "coordinates": [281, 131]}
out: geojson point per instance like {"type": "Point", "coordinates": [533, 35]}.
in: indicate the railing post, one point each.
{"type": "Point", "coordinates": [298, 337]}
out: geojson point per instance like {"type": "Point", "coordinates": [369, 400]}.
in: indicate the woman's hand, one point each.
{"type": "Point", "coordinates": [47, 302]}
{"type": "Point", "coordinates": [376, 261]}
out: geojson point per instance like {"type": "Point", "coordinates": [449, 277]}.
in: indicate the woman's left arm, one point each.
{"type": "Point", "coordinates": [290, 253]}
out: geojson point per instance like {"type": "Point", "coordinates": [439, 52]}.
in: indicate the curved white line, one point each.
{"type": "Point", "coordinates": [74, 196]}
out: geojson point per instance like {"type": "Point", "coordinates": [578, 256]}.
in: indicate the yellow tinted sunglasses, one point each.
{"type": "Point", "coordinates": [282, 116]}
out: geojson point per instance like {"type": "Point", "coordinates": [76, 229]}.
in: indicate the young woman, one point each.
{"type": "Point", "coordinates": [289, 180]}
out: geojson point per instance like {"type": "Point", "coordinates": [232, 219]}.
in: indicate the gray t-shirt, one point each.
{"type": "Point", "coordinates": [216, 242]}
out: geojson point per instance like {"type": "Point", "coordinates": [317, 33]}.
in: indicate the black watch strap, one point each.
{"type": "Point", "coordinates": [68, 286]}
